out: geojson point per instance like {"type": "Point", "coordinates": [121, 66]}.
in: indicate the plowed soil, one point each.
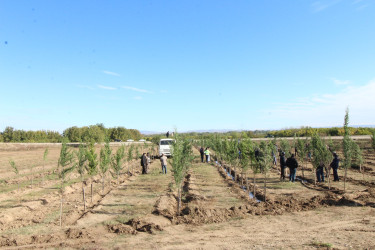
{"type": "Point", "coordinates": [140, 212]}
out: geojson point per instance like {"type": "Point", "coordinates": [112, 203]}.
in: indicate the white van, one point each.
{"type": "Point", "coordinates": [165, 147]}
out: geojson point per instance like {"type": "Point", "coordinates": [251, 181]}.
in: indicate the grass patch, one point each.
{"type": "Point", "coordinates": [321, 244]}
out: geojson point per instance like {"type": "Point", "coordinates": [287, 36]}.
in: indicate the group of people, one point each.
{"type": "Point", "coordinates": [292, 164]}
{"type": "Point", "coordinates": [146, 161]}
{"type": "Point", "coordinates": [205, 152]}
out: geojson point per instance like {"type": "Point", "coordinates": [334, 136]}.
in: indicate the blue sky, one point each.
{"type": "Point", "coordinates": [193, 65]}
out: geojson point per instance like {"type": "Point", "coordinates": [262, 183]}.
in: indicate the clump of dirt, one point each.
{"type": "Point", "coordinates": [149, 224]}
{"type": "Point", "coordinates": [122, 229]}
{"type": "Point", "coordinates": [166, 206]}
{"type": "Point", "coordinates": [6, 242]}
{"type": "Point", "coordinates": [73, 233]}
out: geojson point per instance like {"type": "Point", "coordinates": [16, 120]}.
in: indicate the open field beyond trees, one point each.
{"type": "Point", "coordinates": [139, 211]}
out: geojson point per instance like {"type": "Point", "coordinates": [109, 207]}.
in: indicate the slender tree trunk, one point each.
{"type": "Point", "coordinates": [91, 191]}
{"type": "Point", "coordinates": [314, 173]}
{"type": "Point", "coordinates": [62, 200]}
{"type": "Point", "coordinates": [346, 170]}
{"type": "Point", "coordinates": [32, 177]}
{"type": "Point", "coordinates": [103, 184]}
{"type": "Point", "coordinates": [43, 174]}
{"type": "Point", "coordinates": [303, 168]}
{"type": "Point", "coordinates": [84, 199]}
{"type": "Point", "coordinates": [179, 200]}
{"type": "Point", "coordinates": [363, 171]}
{"type": "Point", "coordinates": [254, 185]}
{"type": "Point", "coordinates": [329, 178]}
{"type": "Point", "coordinates": [265, 185]}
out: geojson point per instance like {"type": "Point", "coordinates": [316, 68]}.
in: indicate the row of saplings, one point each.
{"type": "Point", "coordinates": [85, 161]}
{"type": "Point", "coordinates": [238, 156]}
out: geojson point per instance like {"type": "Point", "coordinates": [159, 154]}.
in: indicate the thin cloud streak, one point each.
{"type": "Point", "coordinates": [319, 6]}
{"type": "Point", "coordinates": [111, 73]}
{"type": "Point", "coordinates": [135, 89]}
{"type": "Point", "coordinates": [106, 87]}
{"type": "Point", "coordinates": [138, 98]}
{"type": "Point", "coordinates": [340, 82]}
{"type": "Point", "coordinates": [329, 109]}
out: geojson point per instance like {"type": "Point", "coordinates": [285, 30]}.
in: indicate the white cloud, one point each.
{"type": "Point", "coordinates": [111, 73]}
{"type": "Point", "coordinates": [106, 87]}
{"type": "Point", "coordinates": [137, 98]}
{"type": "Point", "coordinates": [329, 109]}
{"type": "Point", "coordinates": [318, 6]}
{"type": "Point", "coordinates": [135, 89]}
{"type": "Point", "coordinates": [340, 82]}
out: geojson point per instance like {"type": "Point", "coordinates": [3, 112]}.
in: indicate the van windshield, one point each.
{"type": "Point", "coordinates": [166, 142]}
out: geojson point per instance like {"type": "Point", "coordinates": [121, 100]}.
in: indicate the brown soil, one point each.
{"type": "Point", "coordinates": [140, 211]}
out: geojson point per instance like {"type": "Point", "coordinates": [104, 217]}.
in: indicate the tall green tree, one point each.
{"type": "Point", "coordinates": [182, 156]}
{"type": "Point", "coordinates": [65, 166]}
{"type": "Point", "coordinates": [105, 161]}
{"type": "Point", "coordinates": [81, 155]}
{"type": "Point", "coordinates": [92, 165]}
{"type": "Point", "coordinates": [347, 146]}
{"type": "Point", "coordinates": [118, 161]}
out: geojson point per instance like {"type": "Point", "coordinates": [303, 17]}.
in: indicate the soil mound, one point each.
{"type": "Point", "coordinates": [150, 223]}
{"type": "Point", "coordinates": [122, 229]}
{"type": "Point", "coordinates": [166, 206]}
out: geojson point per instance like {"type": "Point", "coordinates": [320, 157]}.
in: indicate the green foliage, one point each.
{"type": "Point", "coordinates": [320, 152]}
{"type": "Point", "coordinates": [356, 153]}
{"type": "Point", "coordinates": [347, 144]}
{"type": "Point", "coordinates": [373, 139]}
{"type": "Point", "coordinates": [12, 135]}
{"type": "Point", "coordinates": [130, 153]}
{"type": "Point", "coordinates": [81, 159]}
{"type": "Point", "coordinates": [92, 165]}
{"type": "Point", "coordinates": [98, 133]}
{"type": "Point", "coordinates": [265, 156]}
{"type": "Point", "coordinates": [45, 154]}
{"type": "Point", "coordinates": [118, 160]}
{"type": "Point", "coordinates": [13, 165]}
{"type": "Point", "coordinates": [182, 157]}
{"type": "Point", "coordinates": [65, 160]}
{"type": "Point", "coordinates": [302, 149]}
{"type": "Point", "coordinates": [105, 157]}
{"type": "Point", "coordinates": [156, 139]}
{"type": "Point", "coordinates": [285, 147]}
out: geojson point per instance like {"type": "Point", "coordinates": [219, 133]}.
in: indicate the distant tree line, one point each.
{"type": "Point", "coordinates": [291, 132]}
{"type": "Point", "coordinates": [96, 133]}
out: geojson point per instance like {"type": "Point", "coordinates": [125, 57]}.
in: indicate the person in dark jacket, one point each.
{"type": "Point", "coordinates": [335, 165]}
{"type": "Point", "coordinates": [201, 151]}
{"type": "Point", "coordinates": [144, 164]}
{"type": "Point", "coordinates": [282, 165]}
{"type": "Point", "coordinates": [320, 172]}
{"type": "Point", "coordinates": [292, 164]}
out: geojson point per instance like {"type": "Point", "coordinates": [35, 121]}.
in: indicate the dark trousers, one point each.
{"type": "Point", "coordinates": [292, 174]}
{"type": "Point", "coordinates": [335, 175]}
{"type": "Point", "coordinates": [282, 176]}
{"type": "Point", "coordinates": [202, 157]}
{"type": "Point", "coordinates": [320, 174]}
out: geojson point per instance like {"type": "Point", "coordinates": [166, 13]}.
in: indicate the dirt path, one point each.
{"type": "Point", "coordinates": [134, 198]}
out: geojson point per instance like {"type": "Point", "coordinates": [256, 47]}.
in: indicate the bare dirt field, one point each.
{"type": "Point", "coordinates": [139, 212]}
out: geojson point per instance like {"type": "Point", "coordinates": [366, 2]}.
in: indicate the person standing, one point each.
{"type": "Point", "coordinates": [320, 172]}
{"type": "Point", "coordinates": [144, 163]}
{"type": "Point", "coordinates": [282, 165]}
{"type": "Point", "coordinates": [292, 164]}
{"type": "Point", "coordinates": [167, 134]}
{"type": "Point", "coordinates": [335, 165]}
{"type": "Point", "coordinates": [163, 161]}
{"type": "Point", "coordinates": [201, 151]}
{"type": "Point", "coordinates": [207, 153]}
